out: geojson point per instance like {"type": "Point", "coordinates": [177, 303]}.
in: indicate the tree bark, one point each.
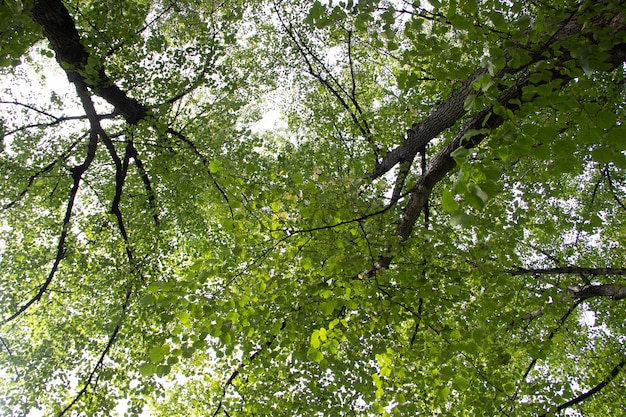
{"type": "Point", "coordinates": [452, 110]}
{"type": "Point", "coordinates": [59, 28]}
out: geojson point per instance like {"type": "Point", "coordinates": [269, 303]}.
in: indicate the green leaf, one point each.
{"type": "Point", "coordinates": [460, 219]}
{"type": "Point", "coordinates": [315, 355]}
{"type": "Point", "coordinates": [147, 300]}
{"type": "Point", "coordinates": [163, 370]}
{"type": "Point", "coordinates": [315, 340]}
{"type": "Point", "coordinates": [606, 119]}
{"type": "Point", "coordinates": [460, 383]}
{"type": "Point", "coordinates": [459, 153]}
{"type": "Point", "coordinates": [443, 393]}
{"type": "Point", "coordinates": [214, 167]}
{"type": "Point", "coordinates": [602, 154]}
{"type": "Point", "coordinates": [470, 103]}
{"type": "Point", "coordinates": [616, 138]}
{"type": "Point", "coordinates": [448, 202]}
{"type": "Point", "coordinates": [271, 261]}
{"type": "Point", "coordinates": [480, 193]}
{"type": "Point", "coordinates": [156, 355]}
{"type": "Point", "coordinates": [147, 369]}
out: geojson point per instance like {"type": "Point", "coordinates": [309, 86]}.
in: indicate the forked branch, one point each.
{"type": "Point", "coordinates": [77, 174]}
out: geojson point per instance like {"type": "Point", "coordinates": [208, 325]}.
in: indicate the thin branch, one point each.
{"type": "Point", "coordinates": [121, 43]}
{"type": "Point", "coordinates": [199, 154]}
{"type": "Point", "coordinates": [398, 188]}
{"type": "Point", "coordinates": [30, 107]}
{"type": "Point", "coordinates": [533, 362]}
{"type": "Point", "coordinates": [306, 52]}
{"type": "Point", "coordinates": [217, 410]}
{"type": "Point", "coordinates": [352, 97]}
{"type": "Point", "coordinates": [338, 224]}
{"type": "Point", "coordinates": [145, 178]}
{"type": "Point", "coordinates": [418, 320]}
{"type": "Point", "coordinates": [568, 270]}
{"type": "Point", "coordinates": [607, 175]}
{"type": "Point", "coordinates": [242, 365]}
{"type": "Point", "coordinates": [10, 353]}
{"type": "Point", "coordinates": [44, 170]}
{"type": "Point", "coordinates": [55, 122]}
{"type": "Point", "coordinates": [369, 245]}
{"type": "Point", "coordinates": [595, 191]}
{"type": "Point", "coordinates": [103, 355]}
{"type": "Point", "coordinates": [584, 396]}
{"type": "Point", "coordinates": [352, 78]}
{"type": "Point", "coordinates": [77, 174]}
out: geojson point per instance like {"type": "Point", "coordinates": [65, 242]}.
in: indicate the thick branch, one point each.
{"type": "Point", "coordinates": [473, 132]}
{"type": "Point", "coordinates": [616, 292]}
{"type": "Point", "coordinates": [452, 110]}
{"type": "Point", "coordinates": [420, 134]}
{"type": "Point", "coordinates": [59, 28]}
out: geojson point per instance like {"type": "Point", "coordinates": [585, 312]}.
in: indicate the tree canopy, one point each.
{"type": "Point", "coordinates": [436, 226]}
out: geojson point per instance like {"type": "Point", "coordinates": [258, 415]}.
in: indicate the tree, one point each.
{"type": "Point", "coordinates": [436, 230]}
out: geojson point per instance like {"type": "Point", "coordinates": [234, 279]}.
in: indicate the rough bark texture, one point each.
{"type": "Point", "coordinates": [59, 28]}
{"type": "Point", "coordinates": [451, 111]}
{"type": "Point", "coordinates": [615, 292]}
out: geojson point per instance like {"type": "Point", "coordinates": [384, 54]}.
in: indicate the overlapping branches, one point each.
{"type": "Point", "coordinates": [77, 175]}
{"type": "Point", "coordinates": [473, 131]}
{"type": "Point", "coordinates": [60, 30]}
{"type": "Point", "coordinates": [347, 97]}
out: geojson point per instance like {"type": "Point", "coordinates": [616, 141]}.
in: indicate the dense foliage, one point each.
{"type": "Point", "coordinates": [434, 227]}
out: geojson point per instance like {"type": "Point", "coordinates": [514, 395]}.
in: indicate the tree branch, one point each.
{"type": "Point", "coordinates": [77, 174]}
{"type": "Point", "coordinates": [242, 364]}
{"type": "Point", "coordinates": [615, 292]}
{"type": "Point", "coordinates": [584, 396]}
{"type": "Point", "coordinates": [145, 178]}
{"type": "Point", "coordinates": [452, 110]}
{"type": "Point", "coordinates": [55, 119]}
{"type": "Point", "coordinates": [473, 132]}
{"type": "Point", "coordinates": [568, 270]}
{"type": "Point", "coordinates": [305, 52]}
{"type": "Point", "coordinates": [59, 28]}
{"type": "Point", "coordinates": [44, 170]}
{"type": "Point", "coordinates": [100, 362]}
{"type": "Point", "coordinates": [533, 362]}
{"type": "Point", "coordinates": [188, 143]}
{"type": "Point", "coordinates": [607, 175]}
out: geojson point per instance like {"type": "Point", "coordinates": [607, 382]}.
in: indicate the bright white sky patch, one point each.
{"type": "Point", "coordinates": [271, 120]}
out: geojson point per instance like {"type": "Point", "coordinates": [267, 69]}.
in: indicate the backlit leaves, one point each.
{"type": "Point", "coordinates": [214, 266]}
